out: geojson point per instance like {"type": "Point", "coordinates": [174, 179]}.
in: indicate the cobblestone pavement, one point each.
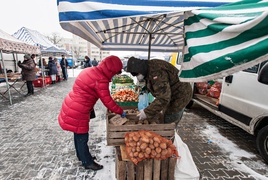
{"type": "Point", "coordinates": [233, 156]}
{"type": "Point", "coordinates": [33, 146]}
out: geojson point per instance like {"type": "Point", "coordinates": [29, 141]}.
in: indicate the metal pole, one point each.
{"type": "Point", "coordinates": [42, 71]}
{"type": "Point", "coordinates": [5, 72]}
{"type": "Point", "coordinates": [149, 51]}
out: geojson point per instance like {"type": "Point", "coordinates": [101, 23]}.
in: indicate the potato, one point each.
{"type": "Point", "coordinates": [144, 146]}
{"type": "Point", "coordinates": [158, 150]}
{"type": "Point", "coordinates": [156, 139]}
{"type": "Point", "coordinates": [158, 156]}
{"type": "Point", "coordinates": [149, 134]}
{"type": "Point", "coordinates": [136, 154]}
{"type": "Point", "coordinates": [156, 144]}
{"type": "Point", "coordinates": [131, 154]}
{"type": "Point", "coordinates": [148, 150]}
{"type": "Point", "coordinates": [126, 138]}
{"type": "Point", "coordinates": [141, 155]}
{"type": "Point", "coordinates": [163, 145]}
{"type": "Point", "coordinates": [153, 153]}
{"type": "Point", "coordinates": [151, 146]}
{"type": "Point", "coordinates": [136, 138]}
{"type": "Point", "coordinates": [146, 155]}
{"type": "Point", "coordinates": [164, 152]}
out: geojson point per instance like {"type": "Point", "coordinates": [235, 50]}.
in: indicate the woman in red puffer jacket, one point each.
{"type": "Point", "coordinates": [90, 85]}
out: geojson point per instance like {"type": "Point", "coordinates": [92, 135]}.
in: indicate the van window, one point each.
{"type": "Point", "coordinates": [253, 69]}
{"type": "Point", "coordinates": [256, 68]}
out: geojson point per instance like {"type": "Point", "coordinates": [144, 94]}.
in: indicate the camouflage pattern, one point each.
{"type": "Point", "coordinates": [171, 95]}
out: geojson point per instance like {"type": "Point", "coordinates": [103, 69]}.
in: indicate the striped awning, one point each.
{"type": "Point", "coordinates": [224, 40]}
{"type": "Point", "coordinates": [142, 25]}
{"type": "Point", "coordinates": [10, 44]}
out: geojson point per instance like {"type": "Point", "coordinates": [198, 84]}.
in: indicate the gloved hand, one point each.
{"type": "Point", "coordinates": [123, 115]}
{"type": "Point", "coordinates": [142, 115]}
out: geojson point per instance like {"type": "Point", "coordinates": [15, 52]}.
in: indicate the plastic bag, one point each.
{"type": "Point", "coordinates": [143, 101]}
{"type": "Point", "coordinates": [185, 168]}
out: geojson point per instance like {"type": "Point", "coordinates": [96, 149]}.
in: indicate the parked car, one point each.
{"type": "Point", "coordinates": [241, 99]}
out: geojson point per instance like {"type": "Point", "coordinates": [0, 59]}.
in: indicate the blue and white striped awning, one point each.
{"type": "Point", "coordinates": [142, 25]}
{"type": "Point", "coordinates": [33, 37]}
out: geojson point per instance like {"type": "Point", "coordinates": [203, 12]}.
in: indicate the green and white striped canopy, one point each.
{"type": "Point", "coordinates": [222, 40]}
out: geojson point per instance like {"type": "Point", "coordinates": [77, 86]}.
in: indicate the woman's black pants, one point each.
{"type": "Point", "coordinates": [30, 87]}
{"type": "Point", "coordinates": [82, 150]}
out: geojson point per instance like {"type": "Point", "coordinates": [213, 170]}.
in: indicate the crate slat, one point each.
{"type": "Point", "coordinates": [148, 169]}
{"type": "Point", "coordinates": [116, 134]}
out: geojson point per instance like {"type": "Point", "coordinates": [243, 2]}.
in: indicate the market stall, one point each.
{"type": "Point", "coordinates": [118, 25]}
{"type": "Point", "coordinates": [9, 44]}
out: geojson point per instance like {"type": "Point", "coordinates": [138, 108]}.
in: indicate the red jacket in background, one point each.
{"type": "Point", "coordinates": [90, 85]}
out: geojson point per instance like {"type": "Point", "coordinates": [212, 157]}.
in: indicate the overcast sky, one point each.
{"type": "Point", "coordinates": [39, 15]}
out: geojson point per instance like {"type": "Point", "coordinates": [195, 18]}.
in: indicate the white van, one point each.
{"type": "Point", "coordinates": [242, 100]}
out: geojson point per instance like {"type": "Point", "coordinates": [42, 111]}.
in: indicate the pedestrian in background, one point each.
{"type": "Point", "coordinates": [28, 73]}
{"type": "Point", "coordinates": [162, 81]}
{"type": "Point", "coordinates": [58, 69]}
{"type": "Point", "coordinates": [52, 70]}
{"type": "Point", "coordinates": [95, 62]}
{"type": "Point", "coordinates": [64, 65]}
{"type": "Point", "coordinates": [90, 85]}
{"type": "Point", "coordinates": [87, 62]}
{"type": "Point", "coordinates": [33, 57]}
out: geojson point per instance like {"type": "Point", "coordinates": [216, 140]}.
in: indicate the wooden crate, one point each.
{"type": "Point", "coordinates": [116, 134]}
{"type": "Point", "coordinates": [150, 169]}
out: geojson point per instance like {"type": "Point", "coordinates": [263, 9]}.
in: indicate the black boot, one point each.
{"type": "Point", "coordinates": [28, 94]}
{"type": "Point", "coordinates": [95, 166]}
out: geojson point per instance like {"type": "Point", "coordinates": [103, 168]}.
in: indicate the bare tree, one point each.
{"type": "Point", "coordinates": [55, 38]}
{"type": "Point", "coordinates": [76, 50]}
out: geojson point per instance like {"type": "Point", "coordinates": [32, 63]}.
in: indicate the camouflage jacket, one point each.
{"type": "Point", "coordinates": [170, 94]}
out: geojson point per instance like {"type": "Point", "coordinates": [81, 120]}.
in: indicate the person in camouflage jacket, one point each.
{"type": "Point", "coordinates": [162, 80]}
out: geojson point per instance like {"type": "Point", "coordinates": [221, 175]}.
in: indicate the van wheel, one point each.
{"type": "Point", "coordinates": [262, 143]}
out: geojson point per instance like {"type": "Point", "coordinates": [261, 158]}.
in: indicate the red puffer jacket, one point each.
{"type": "Point", "coordinates": [90, 85]}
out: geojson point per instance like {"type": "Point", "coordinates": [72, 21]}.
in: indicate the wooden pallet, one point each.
{"type": "Point", "coordinates": [150, 169]}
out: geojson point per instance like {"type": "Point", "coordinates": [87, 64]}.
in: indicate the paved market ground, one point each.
{"type": "Point", "coordinates": [33, 146]}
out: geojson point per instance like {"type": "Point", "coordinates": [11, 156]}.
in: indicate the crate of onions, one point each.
{"type": "Point", "coordinates": [126, 97]}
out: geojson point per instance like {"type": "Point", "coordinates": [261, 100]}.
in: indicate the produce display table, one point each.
{"type": "Point", "coordinates": [13, 79]}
